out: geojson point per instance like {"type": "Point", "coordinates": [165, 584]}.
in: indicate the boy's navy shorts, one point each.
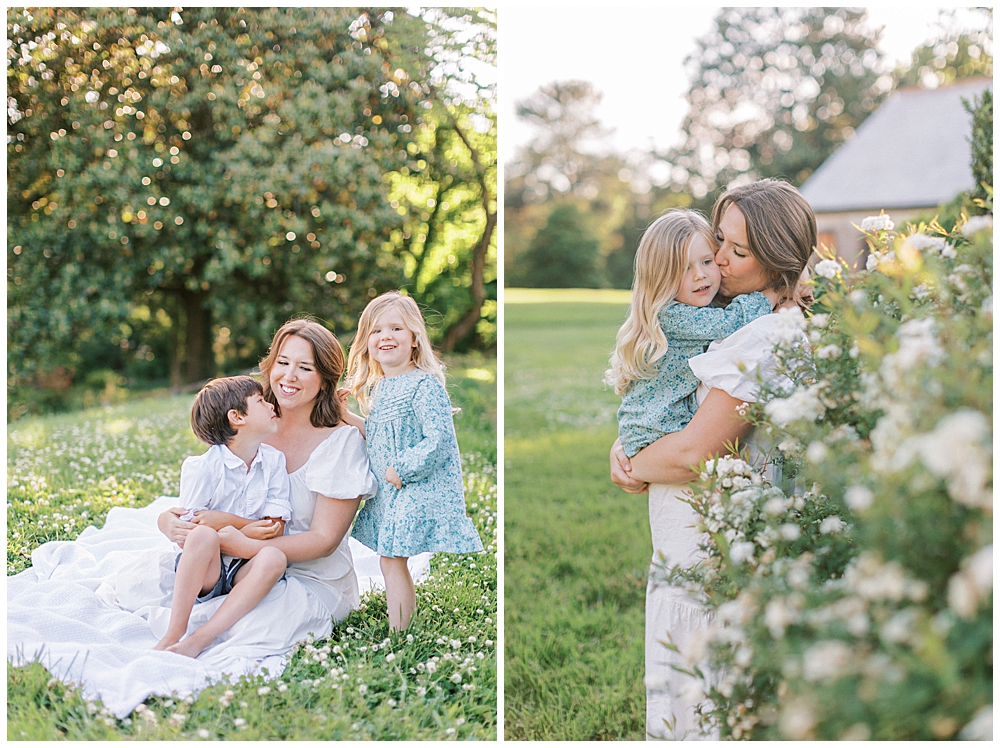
{"type": "Point", "coordinates": [224, 585]}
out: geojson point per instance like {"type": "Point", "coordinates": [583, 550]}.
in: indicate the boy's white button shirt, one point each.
{"type": "Point", "coordinates": [220, 480]}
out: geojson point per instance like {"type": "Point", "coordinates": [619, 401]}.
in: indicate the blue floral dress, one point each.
{"type": "Point", "coordinates": [410, 427]}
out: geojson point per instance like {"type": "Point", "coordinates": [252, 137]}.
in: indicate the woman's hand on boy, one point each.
{"type": "Point", "coordinates": [263, 529]}
{"type": "Point", "coordinates": [171, 524]}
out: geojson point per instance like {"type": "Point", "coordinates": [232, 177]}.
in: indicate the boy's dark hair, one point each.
{"type": "Point", "coordinates": [210, 412]}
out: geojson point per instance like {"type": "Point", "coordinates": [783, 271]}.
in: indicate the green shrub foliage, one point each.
{"type": "Point", "coordinates": [854, 601]}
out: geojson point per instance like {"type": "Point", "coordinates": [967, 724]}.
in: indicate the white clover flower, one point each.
{"type": "Point", "coordinates": [203, 733]}
{"type": "Point", "coordinates": [827, 268]}
{"type": "Point", "coordinates": [363, 689]}
{"type": "Point", "coordinates": [390, 657]}
{"type": "Point", "coordinates": [976, 224]}
{"type": "Point", "coordinates": [431, 666]}
{"type": "Point", "coordinates": [239, 722]}
{"type": "Point", "coordinates": [816, 452]}
{"type": "Point", "coordinates": [176, 720]}
{"type": "Point", "coordinates": [877, 223]}
{"type": "Point", "coordinates": [858, 498]}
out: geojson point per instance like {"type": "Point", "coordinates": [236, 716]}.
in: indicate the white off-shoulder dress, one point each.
{"type": "Point", "coordinates": [91, 610]}
{"type": "Point", "coordinates": [731, 365]}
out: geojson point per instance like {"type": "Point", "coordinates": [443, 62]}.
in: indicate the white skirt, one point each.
{"type": "Point", "coordinates": [671, 616]}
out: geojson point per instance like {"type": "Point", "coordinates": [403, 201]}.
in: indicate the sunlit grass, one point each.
{"type": "Point", "coordinates": [436, 682]}
{"type": "Point", "coordinates": [576, 548]}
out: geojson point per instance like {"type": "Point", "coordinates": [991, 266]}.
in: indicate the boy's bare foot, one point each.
{"type": "Point", "coordinates": [192, 646]}
{"type": "Point", "coordinates": [167, 641]}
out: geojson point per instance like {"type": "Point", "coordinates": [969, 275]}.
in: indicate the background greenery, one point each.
{"type": "Point", "coordinates": [576, 548]}
{"type": "Point", "coordinates": [66, 471]}
{"type": "Point", "coordinates": [181, 182]}
{"type": "Point", "coordinates": [816, 73]}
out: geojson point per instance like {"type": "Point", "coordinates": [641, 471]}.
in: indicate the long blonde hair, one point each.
{"type": "Point", "coordinates": [363, 371]}
{"type": "Point", "coordinates": [660, 263]}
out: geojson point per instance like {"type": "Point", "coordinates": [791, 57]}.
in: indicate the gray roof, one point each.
{"type": "Point", "coordinates": [912, 152]}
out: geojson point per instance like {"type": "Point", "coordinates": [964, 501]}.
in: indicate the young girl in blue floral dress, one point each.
{"type": "Point", "coordinates": [669, 322]}
{"type": "Point", "coordinates": [399, 385]}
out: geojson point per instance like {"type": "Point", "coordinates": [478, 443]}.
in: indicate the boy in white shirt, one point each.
{"type": "Point", "coordinates": [240, 482]}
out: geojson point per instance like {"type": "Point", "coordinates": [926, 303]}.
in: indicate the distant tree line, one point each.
{"type": "Point", "coordinates": [573, 219]}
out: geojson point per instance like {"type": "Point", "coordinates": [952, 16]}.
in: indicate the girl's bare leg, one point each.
{"type": "Point", "coordinates": [251, 585]}
{"type": "Point", "coordinates": [400, 597]}
{"type": "Point", "coordinates": [197, 572]}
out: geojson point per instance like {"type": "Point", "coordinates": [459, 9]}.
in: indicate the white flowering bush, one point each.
{"type": "Point", "coordinates": [854, 600]}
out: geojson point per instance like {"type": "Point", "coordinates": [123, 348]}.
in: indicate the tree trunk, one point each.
{"type": "Point", "coordinates": [464, 326]}
{"type": "Point", "coordinates": [198, 336]}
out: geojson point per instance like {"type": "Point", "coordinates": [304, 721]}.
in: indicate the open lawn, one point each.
{"type": "Point", "coordinates": [65, 472]}
{"type": "Point", "coordinates": [576, 548]}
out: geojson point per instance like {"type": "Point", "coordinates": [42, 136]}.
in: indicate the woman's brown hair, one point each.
{"type": "Point", "coordinates": [328, 357]}
{"type": "Point", "coordinates": [781, 229]}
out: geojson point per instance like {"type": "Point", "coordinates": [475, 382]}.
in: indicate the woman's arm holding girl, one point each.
{"type": "Point", "coordinates": [670, 458]}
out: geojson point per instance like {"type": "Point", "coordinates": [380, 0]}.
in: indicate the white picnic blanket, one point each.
{"type": "Point", "coordinates": [91, 610]}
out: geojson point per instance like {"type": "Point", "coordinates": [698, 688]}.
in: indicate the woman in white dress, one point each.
{"type": "Point", "coordinates": [767, 232]}
{"type": "Point", "coordinates": [91, 610]}
{"type": "Point", "coordinates": [327, 468]}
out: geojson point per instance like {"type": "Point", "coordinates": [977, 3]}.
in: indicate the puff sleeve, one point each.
{"type": "Point", "coordinates": [740, 362]}
{"type": "Point", "coordinates": [339, 468]}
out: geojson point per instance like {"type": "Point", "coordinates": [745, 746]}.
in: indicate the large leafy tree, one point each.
{"type": "Point", "coordinates": [956, 53]}
{"type": "Point", "coordinates": [182, 168]}
{"type": "Point", "coordinates": [449, 197]}
{"type": "Point", "coordinates": [773, 92]}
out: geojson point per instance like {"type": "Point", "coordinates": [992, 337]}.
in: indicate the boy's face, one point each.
{"type": "Point", "coordinates": [702, 279]}
{"type": "Point", "coordinates": [260, 418]}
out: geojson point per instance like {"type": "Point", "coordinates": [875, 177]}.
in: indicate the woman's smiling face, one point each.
{"type": "Point", "coordinates": [294, 379]}
{"type": "Point", "coordinates": [741, 273]}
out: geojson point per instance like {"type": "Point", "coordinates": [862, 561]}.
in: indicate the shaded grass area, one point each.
{"type": "Point", "coordinates": [437, 681]}
{"type": "Point", "coordinates": [576, 548]}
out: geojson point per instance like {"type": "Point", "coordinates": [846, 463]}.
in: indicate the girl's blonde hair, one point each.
{"type": "Point", "coordinates": [660, 263]}
{"type": "Point", "coordinates": [363, 371]}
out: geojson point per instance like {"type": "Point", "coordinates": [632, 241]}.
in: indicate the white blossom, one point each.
{"type": "Point", "coordinates": [921, 242]}
{"type": "Point", "coordinates": [981, 725]}
{"type": "Point", "coordinates": [877, 223]}
{"type": "Point", "coordinates": [740, 552]}
{"type": "Point", "coordinates": [803, 404]}
{"type": "Point", "coordinates": [826, 660]}
{"type": "Point", "coordinates": [870, 264]}
{"type": "Point", "coordinates": [831, 525]}
{"type": "Point", "coordinates": [976, 224]}
{"type": "Point", "coordinates": [829, 351]}
{"type": "Point", "coordinates": [827, 268]}
{"type": "Point", "coordinates": [957, 451]}
{"type": "Point", "coordinates": [859, 498]}
{"type": "Point", "coordinates": [816, 452]}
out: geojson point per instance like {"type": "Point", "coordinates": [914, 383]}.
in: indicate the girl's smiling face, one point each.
{"type": "Point", "coordinates": [391, 343]}
{"type": "Point", "coordinates": [741, 273]}
{"type": "Point", "coordinates": [294, 379]}
{"type": "Point", "coordinates": [701, 281]}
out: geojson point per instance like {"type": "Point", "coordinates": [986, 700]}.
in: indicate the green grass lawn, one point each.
{"type": "Point", "coordinates": [576, 548]}
{"type": "Point", "coordinates": [65, 472]}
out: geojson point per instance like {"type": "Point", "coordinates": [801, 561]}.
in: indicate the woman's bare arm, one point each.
{"type": "Point", "coordinates": [669, 459]}
{"type": "Point", "coordinates": [330, 523]}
